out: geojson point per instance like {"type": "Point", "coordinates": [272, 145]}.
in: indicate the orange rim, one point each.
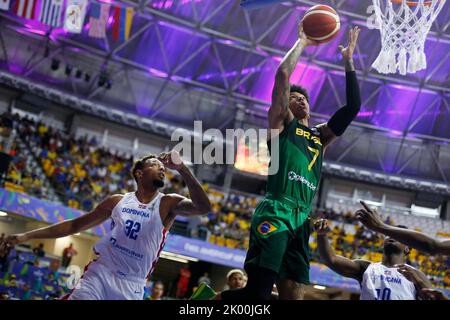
{"type": "Point", "coordinates": [413, 3]}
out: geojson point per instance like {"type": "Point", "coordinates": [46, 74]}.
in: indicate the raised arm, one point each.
{"type": "Point", "coordinates": [339, 122]}
{"type": "Point", "coordinates": [199, 203]}
{"type": "Point", "coordinates": [65, 228]}
{"type": "Point", "coordinates": [339, 264]}
{"type": "Point", "coordinates": [371, 219]}
{"type": "Point", "coordinates": [279, 113]}
{"type": "Point", "coordinates": [432, 294]}
{"type": "Point", "coordinates": [414, 275]}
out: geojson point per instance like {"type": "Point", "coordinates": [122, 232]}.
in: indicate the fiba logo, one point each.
{"type": "Point", "coordinates": [75, 275]}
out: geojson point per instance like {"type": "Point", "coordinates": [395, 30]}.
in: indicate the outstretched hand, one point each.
{"type": "Point", "coordinates": [409, 272]}
{"type": "Point", "coordinates": [304, 38]}
{"type": "Point", "coordinates": [347, 52]}
{"type": "Point", "coordinates": [432, 294]}
{"type": "Point", "coordinates": [321, 226]}
{"type": "Point", "coordinates": [171, 160]}
{"type": "Point", "coordinates": [369, 217]}
{"type": "Point", "coordinates": [8, 243]}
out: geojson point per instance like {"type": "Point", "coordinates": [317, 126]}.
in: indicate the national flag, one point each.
{"type": "Point", "coordinates": [123, 18]}
{"type": "Point", "coordinates": [4, 4]}
{"type": "Point", "coordinates": [98, 20]}
{"type": "Point", "coordinates": [51, 11]}
{"type": "Point", "coordinates": [75, 14]}
{"type": "Point", "coordinates": [25, 8]}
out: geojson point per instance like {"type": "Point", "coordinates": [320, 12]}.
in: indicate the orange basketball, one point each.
{"type": "Point", "coordinates": [321, 23]}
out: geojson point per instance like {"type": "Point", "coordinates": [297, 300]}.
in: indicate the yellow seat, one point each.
{"type": "Point", "coordinates": [231, 243]}
{"type": "Point", "coordinates": [220, 241]}
{"type": "Point", "coordinates": [349, 238]}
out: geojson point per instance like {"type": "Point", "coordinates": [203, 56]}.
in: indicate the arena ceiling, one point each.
{"type": "Point", "coordinates": [211, 59]}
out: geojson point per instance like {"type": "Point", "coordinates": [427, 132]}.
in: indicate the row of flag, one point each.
{"type": "Point", "coordinates": [50, 13]}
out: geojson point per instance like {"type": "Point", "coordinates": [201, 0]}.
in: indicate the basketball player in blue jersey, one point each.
{"type": "Point", "coordinates": [414, 239]}
{"type": "Point", "coordinates": [140, 220]}
{"type": "Point", "coordinates": [379, 281]}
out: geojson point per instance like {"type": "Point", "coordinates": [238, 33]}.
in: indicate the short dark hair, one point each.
{"type": "Point", "coordinates": [139, 164]}
{"type": "Point", "coordinates": [301, 90]}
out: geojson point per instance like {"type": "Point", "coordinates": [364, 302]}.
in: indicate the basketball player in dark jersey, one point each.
{"type": "Point", "coordinates": [278, 251]}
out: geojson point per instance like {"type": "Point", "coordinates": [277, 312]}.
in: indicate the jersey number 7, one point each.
{"type": "Point", "coordinates": [316, 154]}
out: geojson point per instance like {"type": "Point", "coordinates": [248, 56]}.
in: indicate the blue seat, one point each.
{"type": "Point", "coordinates": [16, 268]}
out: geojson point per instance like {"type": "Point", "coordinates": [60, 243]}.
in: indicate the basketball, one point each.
{"type": "Point", "coordinates": [321, 23]}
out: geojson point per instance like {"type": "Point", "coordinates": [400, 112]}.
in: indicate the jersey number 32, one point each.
{"type": "Point", "coordinates": [132, 229]}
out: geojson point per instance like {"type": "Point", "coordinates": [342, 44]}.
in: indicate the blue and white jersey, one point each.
{"type": "Point", "coordinates": [137, 236]}
{"type": "Point", "coordinates": [383, 283]}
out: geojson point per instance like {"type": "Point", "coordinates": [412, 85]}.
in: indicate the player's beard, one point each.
{"type": "Point", "coordinates": [390, 248]}
{"type": "Point", "coordinates": [158, 183]}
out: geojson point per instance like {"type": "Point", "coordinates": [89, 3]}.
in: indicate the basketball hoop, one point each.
{"type": "Point", "coordinates": [404, 26]}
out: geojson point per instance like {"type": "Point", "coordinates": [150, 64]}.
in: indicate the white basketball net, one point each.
{"type": "Point", "coordinates": [403, 31]}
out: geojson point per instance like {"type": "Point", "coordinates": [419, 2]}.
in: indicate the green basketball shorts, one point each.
{"type": "Point", "coordinates": [279, 237]}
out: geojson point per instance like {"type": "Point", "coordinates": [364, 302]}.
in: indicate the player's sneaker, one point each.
{"type": "Point", "coordinates": [203, 292]}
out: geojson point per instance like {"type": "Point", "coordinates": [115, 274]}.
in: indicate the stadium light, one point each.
{"type": "Point", "coordinates": [424, 211]}
{"type": "Point", "coordinates": [174, 259]}
{"type": "Point", "coordinates": [177, 257]}
{"type": "Point", "coordinates": [3, 214]}
{"type": "Point", "coordinates": [373, 203]}
{"type": "Point", "coordinates": [319, 287]}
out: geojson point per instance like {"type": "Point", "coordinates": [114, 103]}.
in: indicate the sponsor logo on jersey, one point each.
{"type": "Point", "coordinates": [266, 227]}
{"type": "Point", "coordinates": [127, 251]}
{"type": "Point", "coordinates": [124, 250]}
{"type": "Point", "coordinates": [295, 177]}
{"type": "Point", "coordinates": [303, 133]}
{"type": "Point", "coordinates": [142, 206]}
{"type": "Point", "coordinates": [135, 212]}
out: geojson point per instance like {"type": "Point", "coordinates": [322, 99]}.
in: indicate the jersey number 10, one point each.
{"type": "Point", "coordinates": [385, 294]}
